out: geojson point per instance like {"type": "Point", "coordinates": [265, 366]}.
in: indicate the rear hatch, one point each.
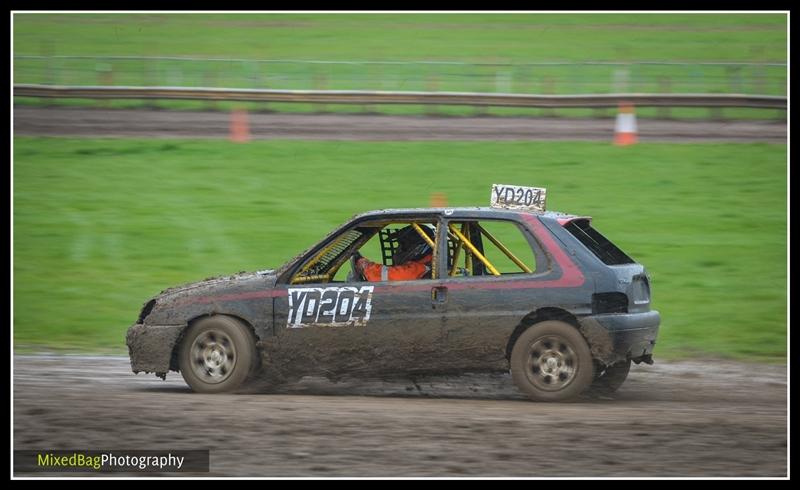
{"type": "Point", "coordinates": [630, 291]}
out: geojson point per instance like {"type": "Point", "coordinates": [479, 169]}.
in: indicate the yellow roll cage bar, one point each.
{"type": "Point", "coordinates": [505, 250]}
{"type": "Point", "coordinates": [463, 240]}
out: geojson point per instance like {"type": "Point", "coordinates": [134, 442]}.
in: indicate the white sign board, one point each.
{"type": "Point", "coordinates": [329, 307]}
{"type": "Point", "coordinates": [518, 197]}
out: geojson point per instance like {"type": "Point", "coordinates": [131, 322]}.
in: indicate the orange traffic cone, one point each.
{"type": "Point", "coordinates": [240, 127]}
{"type": "Point", "coordinates": [625, 129]}
{"type": "Point", "coordinates": [438, 200]}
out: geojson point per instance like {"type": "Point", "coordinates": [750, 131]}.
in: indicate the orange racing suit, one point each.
{"type": "Point", "coordinates": [413, 269]}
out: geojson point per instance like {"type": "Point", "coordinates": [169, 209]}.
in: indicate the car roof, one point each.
{"type": "Point", "coordinates": [484, 212]}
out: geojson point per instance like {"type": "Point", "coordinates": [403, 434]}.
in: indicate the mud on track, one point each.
{"type": "Point", "coordinates": [83, 122]}
{"type": "Point", "coordinates": [713, 418]}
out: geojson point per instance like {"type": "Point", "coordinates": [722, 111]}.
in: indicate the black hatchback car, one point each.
{"type": "Point", "coordinates": [540, 294]}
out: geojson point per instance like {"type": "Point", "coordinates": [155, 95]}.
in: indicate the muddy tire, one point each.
{"type": "Point", "coordinates": [217, 355]}
{"type": "Point", "coordinates": [611, 379]}
{"type": "Point", "coordinates": [551, 361]}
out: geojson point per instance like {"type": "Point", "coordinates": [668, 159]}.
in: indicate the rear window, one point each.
{"type": "Point", "coordinates": [601, 246]}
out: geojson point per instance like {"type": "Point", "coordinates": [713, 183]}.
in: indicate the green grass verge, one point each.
{"type": "Point", "coordinates": [102, 225]}
{"type": "Point", "coordinates": [465, 37]}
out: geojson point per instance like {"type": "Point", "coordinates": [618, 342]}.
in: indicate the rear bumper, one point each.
{"type": "Point", "coordinates": [151, 346]}
{"type": "Point", "coordinates": [617, 337]}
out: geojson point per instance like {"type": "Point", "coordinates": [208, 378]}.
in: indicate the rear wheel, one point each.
{"type": "Point", "coordinates": [551, 361]}
{"type": "Point", "coordinates": [217, 355]}
{"type": "Point", "coordinates": [611, 379]}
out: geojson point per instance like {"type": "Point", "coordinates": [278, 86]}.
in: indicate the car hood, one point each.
{"type": "Point", "coordinates": [175, 304]}
{"type": "Point", "coordinates": [213, 284]}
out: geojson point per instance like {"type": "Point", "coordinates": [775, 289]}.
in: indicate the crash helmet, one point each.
{"type": "Point", "coordinates": [411, 246]}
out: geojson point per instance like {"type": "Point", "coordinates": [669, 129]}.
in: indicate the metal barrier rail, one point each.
{"type": "Point", "coordinates": [416, 98]}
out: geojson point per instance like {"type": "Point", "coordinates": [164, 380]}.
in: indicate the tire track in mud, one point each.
{"type": "Point", "coordinates": [699, 418]}
{"type": "Point", "coordinates": [89, 122]}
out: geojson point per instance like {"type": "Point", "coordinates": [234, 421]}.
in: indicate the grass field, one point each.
{"type": "Point", "coordinates": [464, 37]}
{"type": "Point", "coordinates": [470, 38]}
{"type": "Point", "coordinates": [102, 225]}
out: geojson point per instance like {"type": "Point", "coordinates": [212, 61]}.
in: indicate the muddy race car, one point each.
{"type": "Point", "coordinates": [510, 287]}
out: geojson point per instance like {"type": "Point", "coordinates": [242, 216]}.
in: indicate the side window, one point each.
{"type": "Point", "coordinates": [509, 236]}
{"type": "Point", "coordinates": [393, 251]}
{"type": "Point", "coordinates": [371, 249]}
{"type": "Point", "coordinates": [489, 247]}
{"type": "Point", "coordinates": [398, 251]}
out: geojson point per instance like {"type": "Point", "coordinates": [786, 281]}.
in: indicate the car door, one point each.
{"type": "Point", "coordinates": [356, 328]}
{"type": "Point", "coordinates": [483, 309]}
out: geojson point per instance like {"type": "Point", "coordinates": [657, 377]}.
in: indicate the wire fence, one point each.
{"type": "Point", "coordinates": [546, 78]}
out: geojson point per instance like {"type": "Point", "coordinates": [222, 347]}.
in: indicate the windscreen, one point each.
{"type": "Point", "coordinates": [329, 256]}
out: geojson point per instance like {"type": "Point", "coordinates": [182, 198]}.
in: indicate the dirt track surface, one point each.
{"type": "Point", "coordinates": [707, 418]}
{"type": "Point", "coordinates": [37, 121]}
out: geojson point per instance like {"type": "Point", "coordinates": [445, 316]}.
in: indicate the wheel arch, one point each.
{"type": "Point", "coordinates": [537, 316]}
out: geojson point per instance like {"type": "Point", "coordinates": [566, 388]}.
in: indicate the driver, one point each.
{"type": "Point", "coordinates": [412, 259]}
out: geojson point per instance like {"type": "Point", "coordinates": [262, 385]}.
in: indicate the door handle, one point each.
{"type": "Point", "coordinates": [439, 294]}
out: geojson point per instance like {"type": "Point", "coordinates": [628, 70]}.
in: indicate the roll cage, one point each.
{"type": "Point", "coordinates": [322, 263]}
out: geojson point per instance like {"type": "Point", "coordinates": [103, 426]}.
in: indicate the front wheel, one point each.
{"type": "Point", "coordinates": [551, 361]}
{"type": "Point", "coordinates": [217, 355]}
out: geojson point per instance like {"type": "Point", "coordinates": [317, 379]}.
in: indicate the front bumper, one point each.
{"type": "Point", "coordinates": [151, 347]}
{"type": "Point", "coordinates": [620, 336]}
